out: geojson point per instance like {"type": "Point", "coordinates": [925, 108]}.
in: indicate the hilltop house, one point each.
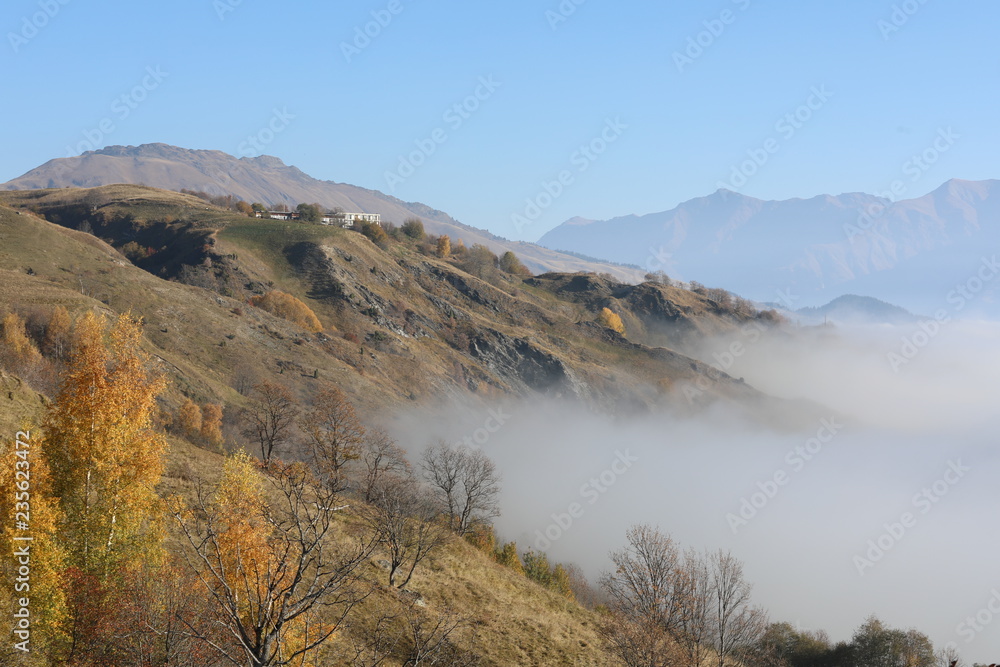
{"type": "Point", "coordinates": [346, 220]}
{"type": "Point", "coordinates": [280, 215]}
{"type": "Point", "coordinates": [349, 219]}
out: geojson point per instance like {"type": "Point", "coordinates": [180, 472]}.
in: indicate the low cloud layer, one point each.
{"type": "Point", "coordinates": [885, 503]}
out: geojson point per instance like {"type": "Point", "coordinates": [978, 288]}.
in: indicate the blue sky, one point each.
{"type": "Point", "coordinates": [228, 68]}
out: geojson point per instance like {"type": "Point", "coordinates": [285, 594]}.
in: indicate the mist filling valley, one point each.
{"type": "Point", "coordinates": [871, 494]}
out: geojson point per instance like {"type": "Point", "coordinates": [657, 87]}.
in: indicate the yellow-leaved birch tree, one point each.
{"type": "Point", "coordinates": [104, 455]}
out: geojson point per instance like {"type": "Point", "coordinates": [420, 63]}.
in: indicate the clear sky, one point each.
{"type": "Point", "coordinates": [348, 107]}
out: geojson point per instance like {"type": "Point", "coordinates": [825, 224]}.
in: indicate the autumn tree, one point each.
{"type": "Point", "coordinates": [443, 246]}
{"type": "Point", "coordinates": [26, 479]}
{"type": "Point", "coordinates": [336, 436]}
{"type": "Point", "coordinates": [211, 424]}
{"type": "Point", "coordinates": [380, 457]}
{"type": "Point", "coordinates": [289, 308]}
{"type": "Point", "coordinates": [281, 577]}
{"type": "Point", "coordinates": [611, 320]}
{"type": "Point", "coordinates": [244, 208]}
{"type": "Point", "coordinates": [189, 419]}
{"type": "Point", "coordinates": [560, 582]}
{"type": "Point", "coordinates": [58, 333]}
{"type": "Point", "coordinates": [508, 557]}
{"type": "Point", "coordinates": [105, 457]}
{"type": "Point", "coordinates": [18, 352]}
{"type": "Point", "coordinates": [374, 232]}
{"type": "Point", "coordinates": [480, 261]}
{"type": "Point", "coordinates": [270, 417]}
{"type": "Point", "coordinates": [509, 263]}
{"type": "Point", "coordinates": [466, 481]}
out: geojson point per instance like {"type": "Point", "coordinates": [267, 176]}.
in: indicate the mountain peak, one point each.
{"type": "Point", "coordinates": [266, 162]}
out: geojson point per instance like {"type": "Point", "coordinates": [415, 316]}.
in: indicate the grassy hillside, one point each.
{"type": "Point", "coordinates": [400, 325]}
{"type": "Point", "coordinates": [507, 619]}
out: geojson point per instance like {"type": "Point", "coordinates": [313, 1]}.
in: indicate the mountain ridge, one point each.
{"type": "Point", "coordinates": [267, 179]}
{"type": "Point", "coordinates": [812, 247]}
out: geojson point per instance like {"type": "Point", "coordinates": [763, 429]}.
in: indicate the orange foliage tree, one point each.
{"type": "Point", "coordinates": [611, 320]}
{"type": "Point", "coordinates": [211, 424]}
{"type": "Point", "coordinates": [58, 334]}
{"type": "Point", "coordinates": [335, 434]}
{"type": "Point", "coordinates": [286, 306]}
{"type": "Point", "coordinates": [23, 470]}
{"type": "Point", "coordinates": [105, 457]}
{"type": "Point", "coordinates": [189, 419]}
{"type": "Point", "coordinates": [263, 550]}
{"type": "Point", "coordinates": [17, 352]}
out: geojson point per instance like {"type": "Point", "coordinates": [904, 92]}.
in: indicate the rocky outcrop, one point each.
{"type": "Point", "coordinates": [524, 366]}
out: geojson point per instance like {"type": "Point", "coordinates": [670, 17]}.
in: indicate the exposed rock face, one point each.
{"type": "Point", "coordinates": [524, 365]}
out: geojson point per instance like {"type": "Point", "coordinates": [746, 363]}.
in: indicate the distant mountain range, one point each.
{"type": "Point", "coordinates": [270, 181]}
{"type": "Point", "coordinates": [803, 252]}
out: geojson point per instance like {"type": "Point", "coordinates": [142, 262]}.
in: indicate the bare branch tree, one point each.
{"type": "Point", "coordinates": [409, 635]}
{"type": "Point", "coordinates": [467, 482]}
{"type": "Point", "coordinates": [269, 417]}
{"type": "Point", "coordinates": [432, 637]}
{"type": "Point", "coordinates": [335, 434]}
{"type": "Point", "coordinates": [403, 516]}
{"type": "Point", "coordinates": [695, 621]}
{"type": "Point", "coordinates": [381, 456]}
{"type": "Point", "coordinates": [292, 574]}
{"type": "Point", "coordinates": [642, 587]}
{"type": "Point", "coordinates": [738, 625]}
{"type": "Point", "coordinates": [638, 642]}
